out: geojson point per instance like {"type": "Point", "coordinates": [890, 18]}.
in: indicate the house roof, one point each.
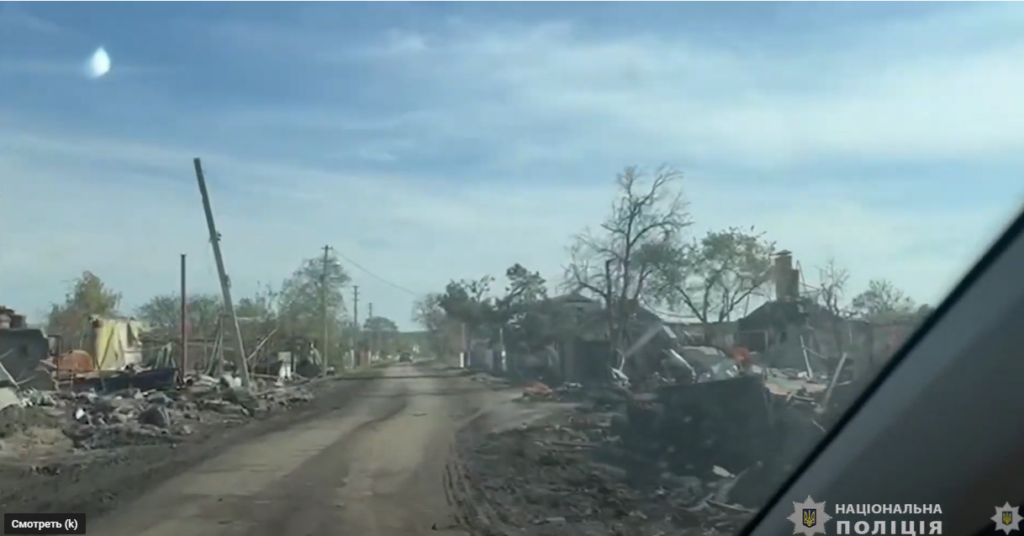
{"type": "Point", "coordinates": [591, 318]}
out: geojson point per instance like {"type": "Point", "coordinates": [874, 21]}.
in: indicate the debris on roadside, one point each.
{"type": "Point", "coordinates": [495, 382]}
{"type": "Point", "coordinates": [698, 444]}
{"type": "Point", "coordinates": [537, 390]}
{"type": "Point", "coordinates": [571, 474]}
{"type": "Point", "coordinates": [108, 396]}
{"type": "Point", "coordinates": [131, 416]}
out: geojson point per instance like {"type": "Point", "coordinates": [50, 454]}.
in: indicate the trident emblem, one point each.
{"type": "Point", "coordinates": [811, 516]}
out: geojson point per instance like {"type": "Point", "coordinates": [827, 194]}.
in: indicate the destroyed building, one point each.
{"type": "Point", "coordinates": [585, 350]}
{"type": "Point", "coordinates": [796, 331]}
{"type": "Point", "coordinates": [22, 348]}
{"type": "Point", "coordinates": [584, 347]}
{"type": "Point", "coordinates": [576, 349]}
{"type": "Point", "coordinates": [751, 418]}
{"type": "Point", "coordinates": [792, 332]}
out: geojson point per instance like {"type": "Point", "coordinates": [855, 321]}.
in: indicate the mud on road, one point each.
{"type": "Point", "coordinates": [368, 459]}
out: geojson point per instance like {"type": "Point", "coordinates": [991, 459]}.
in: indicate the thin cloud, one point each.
{"type": "Point", "coordinates": [64, 68]}
{"type": "Point", "coordinates": [896, 94]}
{"type": "Point", "coordinates": [16, 18]}
{"type": "Point", "coordinates": [38, 67]}
{"type": "Point", "coordinates": [288, 211]}
{"type": "Point", "coordinates": [896, 105]}
{"type": "Point", "coordinates": [472, 146]}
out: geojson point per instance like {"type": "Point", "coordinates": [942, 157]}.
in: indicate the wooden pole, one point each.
{"type": "Point", "coordinates": [355, 325]}
{"type": "Point", "coordinates": [218, 349]}
{"type": "Point", "coordinates": [184, 320]}
{"type": "Point", "coordinates": [323, 304]}
{"type": "Point", "coordinates": [225, 284]}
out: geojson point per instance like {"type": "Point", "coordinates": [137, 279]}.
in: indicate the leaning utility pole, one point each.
{"type": "Point", "coordinates": [323, 305]}
{"type": "Point", "coordinates": [355, 323]}
{"type": "Point", "coordinates": [225, 283]}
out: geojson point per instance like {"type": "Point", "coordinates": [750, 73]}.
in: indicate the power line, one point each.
{"type": "Point", "coordinates": [375, 276]}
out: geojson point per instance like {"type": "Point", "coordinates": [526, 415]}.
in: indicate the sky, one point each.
{"type": "Point", "coordinates": [429, 142]}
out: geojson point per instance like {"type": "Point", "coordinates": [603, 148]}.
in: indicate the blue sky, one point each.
{"type": "Point", "coordinates": [436, 141]}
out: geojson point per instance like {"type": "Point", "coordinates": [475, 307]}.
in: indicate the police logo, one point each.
{"type": "Point", "coordinates": [1007, 518]}
{"type": "Point", "coordinates": [809, 517]}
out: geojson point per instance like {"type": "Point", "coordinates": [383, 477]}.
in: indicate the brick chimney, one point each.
{"type": "Point", "coordinates": [787, 278]}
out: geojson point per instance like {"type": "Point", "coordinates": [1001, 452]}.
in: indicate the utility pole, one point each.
{"type": "Point", "coordinates": [225, 283]}
{"type": "Point", "coordinates": [219, 345]}
{"type": "Point", "coordinates": [373, 329]}
{"type": "Point", "coordinates": [355, 323]}
{"type": "Point", "coordinates": [501, 348]}
{"type": "Point", "coordinates": [184, 321]}
{"type": "Point", "coordinates": [378, 341]}
{"type": "Point", "coordinates": [323, 305]}
{"type": "Point", "coordinates": [464, 358]}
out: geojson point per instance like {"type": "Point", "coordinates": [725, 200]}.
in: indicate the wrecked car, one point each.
{"type": "Point", "coordinates": [710, 363]}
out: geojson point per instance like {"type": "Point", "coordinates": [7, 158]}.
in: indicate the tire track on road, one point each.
{"type": "Point", "coordinates": [253, 487]}
{"type": "Point", "coordinates": [305, 502]}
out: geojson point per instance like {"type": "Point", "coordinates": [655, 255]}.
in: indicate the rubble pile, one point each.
{"type": "Point", "coordinates": [574, 474]}
{"type": "Point", "coordinates": [678, 458]}
{"type": "Point", "coordinates": [698, 427]}
{"type": "Point", "coordinates": [132, 417]}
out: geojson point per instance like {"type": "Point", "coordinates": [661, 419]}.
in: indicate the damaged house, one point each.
{"type": "Point", "coordinates": [582, 351]}
{"type": "Point", "coordinates": [576, 345]}
{"type": "Point", "coordinates": [578, 348]}
{"type": "Point", "coordinates": [796, 332]}
{"type": "Point", "coordinates": [22, 348]}
{"type": "Point", "coordinates": [758, 395]}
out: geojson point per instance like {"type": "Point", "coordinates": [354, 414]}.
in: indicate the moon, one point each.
{"type": "Point", "coordinates": [98, 64]}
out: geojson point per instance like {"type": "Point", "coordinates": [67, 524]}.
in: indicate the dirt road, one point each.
{"type": "Point", "coordinates": [374, 468]}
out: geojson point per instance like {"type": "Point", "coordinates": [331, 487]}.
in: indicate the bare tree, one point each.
{"type": "Point", "coordinates": [831, 290]}
{"type": "Point", "coordinates": [883, 302]}
{"type": "Point", "coordinates": [832, 281]}
{"type": "Point", "coordinates": [715, 276]}
{"type": "Point", "coordinates": [442, 332]}
{"type": "Point", "coordinates": [617, 262]}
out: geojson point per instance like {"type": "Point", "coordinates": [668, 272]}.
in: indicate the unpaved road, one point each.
{"type": "Point", "coordinates": [373, 468]}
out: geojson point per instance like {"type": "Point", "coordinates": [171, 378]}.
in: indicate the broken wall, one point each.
{"type": "Point", "coordinates": [587, 361]}
{"type": "Point", "coordinates": [22, 350]}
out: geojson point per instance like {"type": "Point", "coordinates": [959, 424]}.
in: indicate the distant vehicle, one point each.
{"type": "Point", "coordinates": [405, 357]}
